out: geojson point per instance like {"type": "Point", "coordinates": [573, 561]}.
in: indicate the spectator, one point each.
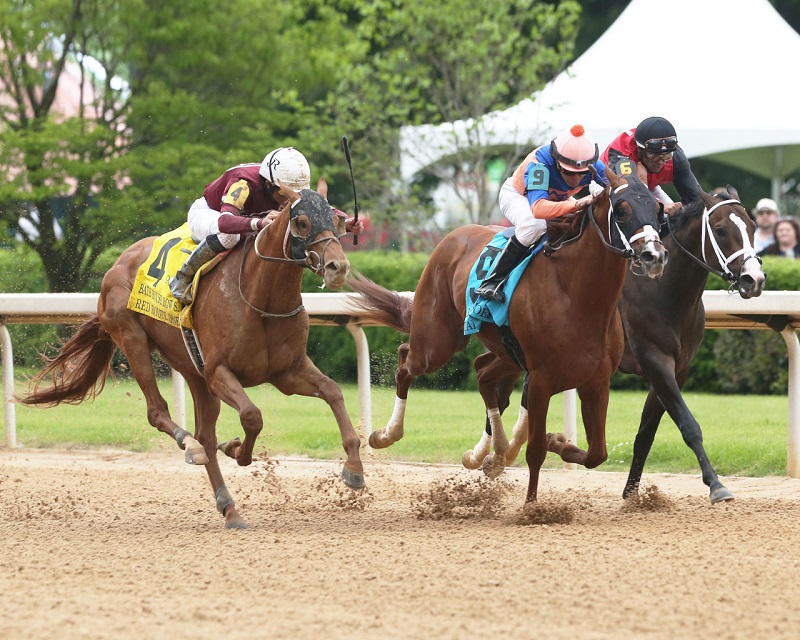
{"type": "Point", "coordinates": [766, 215]}
{"type": "Point", "coordinates": [787, 240]}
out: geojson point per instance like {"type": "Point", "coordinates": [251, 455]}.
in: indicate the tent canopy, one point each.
{"type": "Point", "coordinates": [715, 68]}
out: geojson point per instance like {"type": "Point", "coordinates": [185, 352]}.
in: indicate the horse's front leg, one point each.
{"type": "Point", "coordinates": [538, 402]}
{"type": "Point", "coordinates": [665, 383]}
{"type": "Point", "coordinates": [206, 412]}
{"type": "Point", "coordinates": [594, 406]}
{"type": "Point", "coordinates": [652, 412]}
{"type": "Point", "coordinates": [306, 380]}
{"type": "Point", "coordinates": [225, 385]}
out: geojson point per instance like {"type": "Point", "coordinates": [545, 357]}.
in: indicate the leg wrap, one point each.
{"type": "Point", "coordinates": [180, 436]}
{"type": "Point", "coordinates": [223, 498]}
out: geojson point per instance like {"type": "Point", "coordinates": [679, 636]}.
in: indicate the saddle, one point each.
{"type": "Point", "coordinates": [151, 295]}
{"type": "Point", "coordinates": [479, 309]}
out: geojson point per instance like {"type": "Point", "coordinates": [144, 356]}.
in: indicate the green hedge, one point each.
{"type": "Point", "coordinates": [728, 361]}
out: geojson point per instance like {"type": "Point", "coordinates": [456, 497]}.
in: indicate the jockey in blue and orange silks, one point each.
{"type": "Point", "coordinates": [542, 187]}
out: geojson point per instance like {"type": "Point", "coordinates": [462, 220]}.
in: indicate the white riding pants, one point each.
{"type": "Point", "coordinates": [204, 221]}
{"type": "Point", "coordinates": [517, 209]}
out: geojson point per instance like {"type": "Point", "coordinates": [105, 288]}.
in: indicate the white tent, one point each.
{"type": "Point", "coordinates": [717, 69]}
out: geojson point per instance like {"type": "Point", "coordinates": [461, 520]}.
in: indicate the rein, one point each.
{"type": "Point", "coordinates": [726, 274]}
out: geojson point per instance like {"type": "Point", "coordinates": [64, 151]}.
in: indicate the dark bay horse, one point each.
{"type": "Point", "coordinates": [664, 323]}
{"type": "Point", "coordinates": [252, 327]}
{"type": "Point", "coordinates": [563, 316]}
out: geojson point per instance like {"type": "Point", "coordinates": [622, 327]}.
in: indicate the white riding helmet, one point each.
{"type": "Point", "coordinates": [289, 166]}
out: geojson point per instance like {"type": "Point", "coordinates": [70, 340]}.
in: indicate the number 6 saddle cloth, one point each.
{"type": "Point", "coordinates": [151, 295]}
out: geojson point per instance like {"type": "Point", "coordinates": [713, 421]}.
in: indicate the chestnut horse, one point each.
{"type": "Point", "coordinates": [252, 327]}
{"type": "Point", "coordinates": [664, 324]}
{"type": "Point", "coordinates": [562, 315]}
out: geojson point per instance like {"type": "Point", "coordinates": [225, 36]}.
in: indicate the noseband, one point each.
{"type": "Point", "coordinates": [726, 274]}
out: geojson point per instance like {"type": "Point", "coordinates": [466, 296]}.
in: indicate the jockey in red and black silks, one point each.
{"type": "Point", "coordinates": [653, 145]}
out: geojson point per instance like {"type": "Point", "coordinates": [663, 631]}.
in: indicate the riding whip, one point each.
{"type": "Point", "coordinates": [346, 148]}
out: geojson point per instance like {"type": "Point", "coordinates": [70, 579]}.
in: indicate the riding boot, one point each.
{"type": "Point", "coordinates": [181, 284]}
{"type": "Point", "coordinates": [492, 286]}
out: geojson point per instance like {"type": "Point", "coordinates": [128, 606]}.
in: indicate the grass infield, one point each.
{"type": "Point", "coordinates": [743, 435]}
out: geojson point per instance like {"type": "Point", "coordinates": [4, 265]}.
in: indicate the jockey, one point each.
{"type": "Point", "coordinates": [542, 187]}
{"type": "Point", "coordinates": [244, 199]}
{"type": "Point", "coordinates": [653, 147]}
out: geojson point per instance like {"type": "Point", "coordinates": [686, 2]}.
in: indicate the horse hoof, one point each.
{"type": "Point", "coordinates": [721, 495]}
{"type": "Point", "coordinates": [376, 442]}
{"type": "Point", "coordinates": [229, 448]}
{"type": "Point", "coordinates": [196, 457]}
{"type": "Point", "coordinates": [352, 479]}
{"type": "Point", "coordinates": [469, 461]}
{"type": "Point", "coordinates": [236, 522]}
{"type": "Point", "coordinates": [491, 469]}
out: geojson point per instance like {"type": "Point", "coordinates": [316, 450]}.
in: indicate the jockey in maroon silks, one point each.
{"type": "Point", "coordinates": [653, 148]}
{"type": "Point", "coordinates": [242, 200]}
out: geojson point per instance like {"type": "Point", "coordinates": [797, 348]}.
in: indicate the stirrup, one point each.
{"type": "Point", "coordinates": [489, 292]}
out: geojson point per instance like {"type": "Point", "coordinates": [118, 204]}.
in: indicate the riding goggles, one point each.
{"type": "Point", "coordinates": [659, 145]}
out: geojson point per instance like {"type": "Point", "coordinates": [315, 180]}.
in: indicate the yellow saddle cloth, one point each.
{"type": "Point", "coordinates": [151, 295]}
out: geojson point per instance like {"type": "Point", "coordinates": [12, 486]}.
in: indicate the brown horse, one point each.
{"type": "Point", "coordinates": [664, 323]}
{"type": "Point", "coordinates": [251, 324]}
{"type": "Point", "coordinates": [563, 317]}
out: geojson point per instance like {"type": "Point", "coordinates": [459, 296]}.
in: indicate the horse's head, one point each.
{"type": "Point", "coordinates": [727, 242]}
{"type": "Point", "coordinates": [633, 219]}
{"type": "Point", "coordinates": [314, 229]}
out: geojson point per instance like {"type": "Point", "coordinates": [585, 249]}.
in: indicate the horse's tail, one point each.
{"type": "Point", "coordinates": [380, 306]}
{"type": "Point", "coordinates": [79, 370]}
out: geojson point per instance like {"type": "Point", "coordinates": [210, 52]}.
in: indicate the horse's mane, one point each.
{"type": "Point", "coordinates": [566, 227]}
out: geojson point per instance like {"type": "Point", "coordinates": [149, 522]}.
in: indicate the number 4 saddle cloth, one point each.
{"type": "Point", "coordinates": [480, 309]}
{"type": "Point", "coordinates": [151, 295]}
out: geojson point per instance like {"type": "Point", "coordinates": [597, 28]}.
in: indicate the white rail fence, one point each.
{"type": "Point", "coordinates": [723, 311]}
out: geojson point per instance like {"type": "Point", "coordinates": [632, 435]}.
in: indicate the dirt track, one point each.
{"type": "Point", "coordinates": [120, 545]}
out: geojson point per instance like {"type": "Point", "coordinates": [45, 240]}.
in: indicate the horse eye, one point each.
{"type": "Point", "coordinates": [720, 232]}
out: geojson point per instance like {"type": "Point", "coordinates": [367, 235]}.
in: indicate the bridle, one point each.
{"type": "Point", "coordinates": [313, 259]}
{"type": "Point", "coordinates": [725, 273]}
{"type": "Point", "coordinates": [648, 233]}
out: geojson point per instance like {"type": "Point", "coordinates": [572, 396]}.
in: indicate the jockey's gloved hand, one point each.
{"type": "Point", "coordinates": [595, 189]}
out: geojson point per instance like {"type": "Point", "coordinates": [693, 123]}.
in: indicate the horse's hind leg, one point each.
{"type": "Point", "coordinates": [306, 380]}
{"type": "Point", "coordinates": [133, 342]}
{"type": "Point", "coordinates": [428, 351]}
{"type": "Point", "coordinates": [496, 380]}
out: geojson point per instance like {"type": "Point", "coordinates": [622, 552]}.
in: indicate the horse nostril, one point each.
{"type": "Point", "coordinates": [647, 256]}
{"type": "Point", "coordinates": [747, 282]}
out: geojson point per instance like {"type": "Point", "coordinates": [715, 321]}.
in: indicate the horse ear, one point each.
{"type": "Point", "coordinates": [707, 198]}
{"type": "Point", "coordinates": [732, 192]}
{"type": "Point", "coordinates": [613, 179]}
{"type": "Point", "coordinates": [322, 187]}
{"type": "Point", "coordinates": [641, 172]}
{"type": "Point", "coordinates": [290, 193]}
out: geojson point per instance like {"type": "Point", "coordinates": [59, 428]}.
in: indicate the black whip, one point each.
{"type": "Point", "coordinates": [346, 148]}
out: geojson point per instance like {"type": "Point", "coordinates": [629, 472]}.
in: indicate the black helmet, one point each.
{"type": "Point", "coordinates": [656, 134]}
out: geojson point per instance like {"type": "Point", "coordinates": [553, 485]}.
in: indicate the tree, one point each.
{"type": "Point", "coordinates": [432, 62]}
{"type": "Point", "coordinates": [166, 96]}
